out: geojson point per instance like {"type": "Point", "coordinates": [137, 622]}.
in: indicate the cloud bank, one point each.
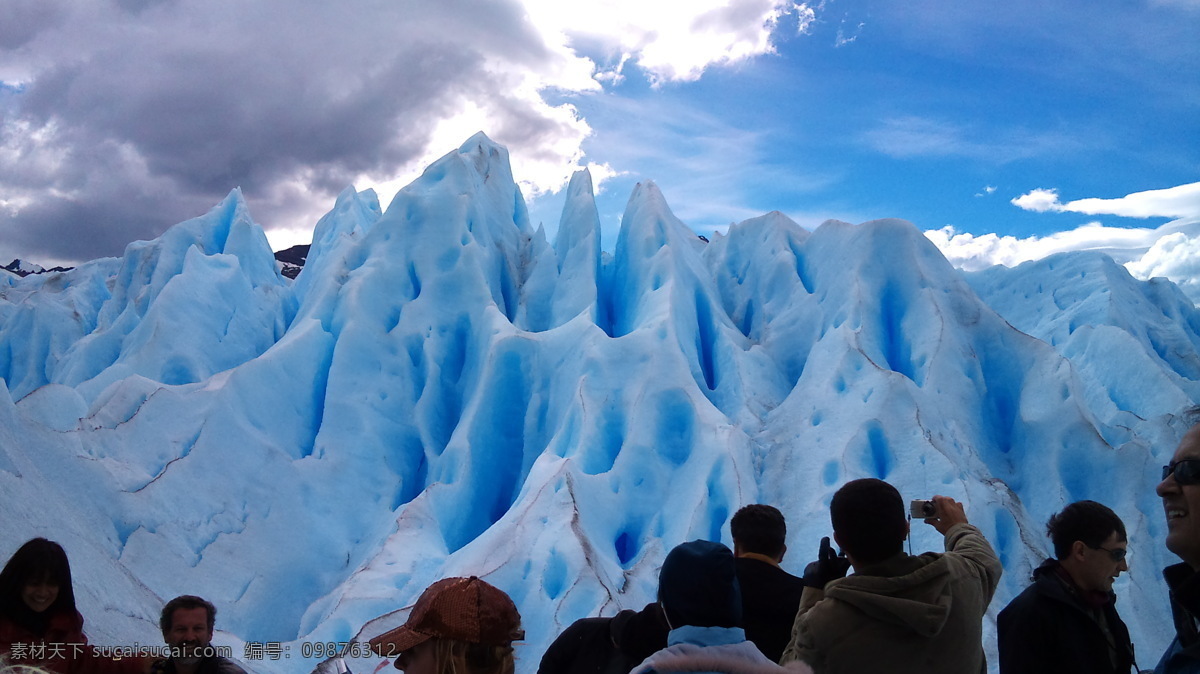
{"type": "Point", "coordinates": [160, 107]}
{"type": "Point", "coordinates": [1174, 202]}
{"type": "Point", "coordinates": [1171, 250]}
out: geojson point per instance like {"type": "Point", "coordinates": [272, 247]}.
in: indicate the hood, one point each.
{"type": "Point", "coordinates": [698, 585]}
{"type": "Point", "coordinates": [918, 599]}
{"type": "Point", "coordinates": [1047, 567]}
{"type": "Point", "coordinates": [741, 658]}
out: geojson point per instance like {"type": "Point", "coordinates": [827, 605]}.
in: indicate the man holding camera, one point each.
{"type": "Point", "coordinates": [897, 613]}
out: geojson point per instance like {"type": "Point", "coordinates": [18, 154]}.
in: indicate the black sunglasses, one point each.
{"type": "Point", "coordinates": [1115, 554]}
{"type": "Point", "coordinates": [1186, 471]}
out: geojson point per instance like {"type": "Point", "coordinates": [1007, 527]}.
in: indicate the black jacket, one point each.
{"type": "Point", "coordinates": [607, 645]}
{"type": "Point", "coordinates": [1049, 629]}
{"type": "Point", "coordinates": [1183, 655]}
{"type": "Point", "coordinates": [770, 600]}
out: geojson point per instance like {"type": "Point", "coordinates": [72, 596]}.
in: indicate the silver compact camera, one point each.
{"type": "Point", "coordinates": [920, 509]}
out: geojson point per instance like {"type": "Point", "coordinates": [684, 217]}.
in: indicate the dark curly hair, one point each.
{"type": "Point", "coordinates": [1086, 521]}
{"type": "Point", "coordinates": [188, 601]}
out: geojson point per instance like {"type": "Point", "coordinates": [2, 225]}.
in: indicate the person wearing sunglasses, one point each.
{"type": "Point", "coordinates": [1066, 622]}
{"type": "Point", "coordinates": [1180, 493]}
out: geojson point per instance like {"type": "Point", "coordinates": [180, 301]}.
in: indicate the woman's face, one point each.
{"type": "Point", "coordinates": [419, 659]}
{"type": "Point", "coordinates": [39, 593]}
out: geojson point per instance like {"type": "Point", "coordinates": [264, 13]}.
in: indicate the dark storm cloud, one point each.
{"type": "Point", "coordinates": [23, 19]}
{"type": "Point", "coordinates": [158, 109]}
{"type": "Point", "coordinates": [223, 118]}
{"type": "Point", "coordinates": [70, 229]}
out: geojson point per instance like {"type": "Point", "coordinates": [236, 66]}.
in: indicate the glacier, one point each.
{"type": "Point", "coordinates": [443, 391]}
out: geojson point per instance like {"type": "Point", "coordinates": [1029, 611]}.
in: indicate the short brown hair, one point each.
{"type": "Point", "coordinates": [759, 528]}
{"type": "Point", "coordinates": [187, 601]}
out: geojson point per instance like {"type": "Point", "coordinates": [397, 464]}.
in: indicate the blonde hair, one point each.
{"type": "Point", "coordinates": [7, 668]}
{"type": "Point", "coordinates": [463, 657]}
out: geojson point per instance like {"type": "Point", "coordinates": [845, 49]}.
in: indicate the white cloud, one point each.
{"type": "Point", "coordinates": [1175, 256]}
{"type": "Point", "coordinates": [1174, 202]}
{"type": "Point", "coordinates": [540, 165]}
{"type": "Point", "coordinates": [1039, 201]}
{"type": "Point", "coordinates": [910, 136]}
{"type": "Point", "coordinates": [972, 252]}
{"type": "Point", "coordinates": [282, 238]}
{"type": "Point", "coordinates": [602, 173]}
{"type": "Point", "coordinates": [1171, 251]}
{"type": "Point", "coordinates": [806, 16]}
{"type": "Point", "coordinates": [989, 189]}
{"type": "Point", "coordinates": [843, 39]}
{"type": "Point", "coordinates": [670, 41]}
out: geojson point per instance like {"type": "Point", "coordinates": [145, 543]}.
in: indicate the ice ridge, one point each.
{"type": "Point", "coordinates": [443, 391]}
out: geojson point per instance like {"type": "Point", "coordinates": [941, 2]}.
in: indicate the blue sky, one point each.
{"type": "Point", "coordinates": [941, 121]}
{"type": "Point", "coordinates": [1007, 130]}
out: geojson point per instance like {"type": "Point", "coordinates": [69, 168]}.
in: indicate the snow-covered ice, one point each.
{"type": "Point", "coordinates": [442, 391]}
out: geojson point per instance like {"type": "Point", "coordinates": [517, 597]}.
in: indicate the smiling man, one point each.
{"type": "Point", "coordinates": [1180, 493]}
{"type": "Point", "coordinates": [1067, 621]}
{"type": "Point", "coordinates": [187, 624]}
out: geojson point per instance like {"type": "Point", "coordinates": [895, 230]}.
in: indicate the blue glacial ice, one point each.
{"type": "Point", "coordinates": [442, 391]}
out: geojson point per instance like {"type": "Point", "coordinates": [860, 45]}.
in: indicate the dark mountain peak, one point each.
{"type": "Point", "coordinates": [292, 259]}
{"type": "Point", "coordinates": [23, 268]}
